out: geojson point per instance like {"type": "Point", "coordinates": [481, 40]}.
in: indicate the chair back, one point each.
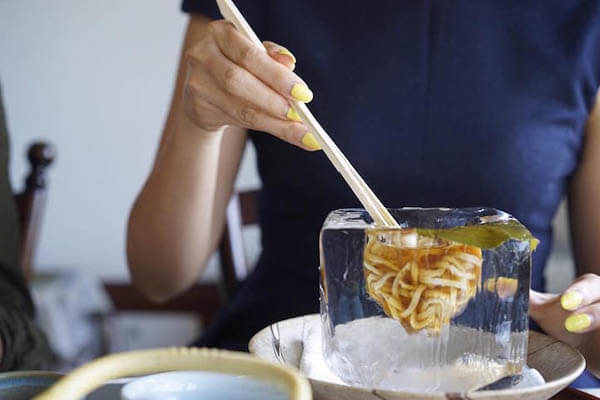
{"type": "Point", "coordinates": [31, 201]}
{"type": "Point", "coordinates": [205, 298]}
{"type": "Point", "coordinates": [242, 210]}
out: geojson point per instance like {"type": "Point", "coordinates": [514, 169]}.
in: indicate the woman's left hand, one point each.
{"type": "Point", "coordinates": [572, 317]}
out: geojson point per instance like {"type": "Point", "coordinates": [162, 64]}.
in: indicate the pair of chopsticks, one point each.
{"type": "Point", "coordinates": [365, 195]}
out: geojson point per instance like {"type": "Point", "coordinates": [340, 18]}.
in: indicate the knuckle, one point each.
{"type": "Point", "coordinates": [232, 79]}
{"type": "Point", "coordinates": [290, 133]}
{"type": "Point", "coordinates": [197, 54]}
{"type": "Point", "coordinates": [191, 55]}
{"type": "Point", "coordinates": [192, 89]}
{"type": "Point", "coordinates": [248, 55]}
{"type": "Point", "coordinates": [281, 77]}
{"type": "Point", "coordinates": [227, 30]}
{"type": "Point", "coordinates": [214, 27]}
{"type": "Point", "coordinates": [247, 115]}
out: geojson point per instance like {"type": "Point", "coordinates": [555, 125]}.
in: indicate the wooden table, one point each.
{"type": "Point", "coordinates": [572, 394]}
{"type": "Point", "coordinates": [112, 392]}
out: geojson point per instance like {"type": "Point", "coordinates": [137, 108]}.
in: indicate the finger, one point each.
{"type": "Point", "coordinates": [585, 290]}
{"type": "Point", "coordinates": [247, 55]}
{"type": "Point", "coordinates": [586, 319]}
{"type": "Point", "coordinates": [239, 83]}
{"type": "Point", "coordinates": [247, 115]}
{"type": "Point", "coordinates": [211, 65]}
{"type": "Point", "coordinates": [291, 132]}
{"type": "Point", "coordinates": [281, 54]}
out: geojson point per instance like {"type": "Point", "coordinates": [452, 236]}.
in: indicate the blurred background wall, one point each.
{"type": "Point", "coordinates": [95, 79]}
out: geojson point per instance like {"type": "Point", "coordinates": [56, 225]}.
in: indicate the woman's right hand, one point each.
{"type": "Point", "coordinates": [230, 81]}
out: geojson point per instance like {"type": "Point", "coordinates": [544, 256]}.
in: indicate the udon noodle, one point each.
{"type": "Point", "coordinates": [420, 281]}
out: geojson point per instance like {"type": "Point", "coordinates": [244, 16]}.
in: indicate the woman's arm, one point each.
{"type": "Point", "coordinates": [584, 216]}
{"type": "Point", "coordinates": [584, 201]}
{"type": "Point", "coordinates": [224, 85]}
{"type": "Point", "coordinates": [574, 316]}
{"type": "Point", "coordinates": [177, 217]}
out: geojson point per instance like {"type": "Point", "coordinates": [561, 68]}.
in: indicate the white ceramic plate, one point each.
{"type": "Point", "coordinates": [558, 363]}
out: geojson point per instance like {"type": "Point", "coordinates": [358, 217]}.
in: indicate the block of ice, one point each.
{"type": "Point", "coordinates": [441, 299]}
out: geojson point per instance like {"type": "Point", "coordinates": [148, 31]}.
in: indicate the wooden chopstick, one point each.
{"type": "Point", "coordinates": [365, 195]}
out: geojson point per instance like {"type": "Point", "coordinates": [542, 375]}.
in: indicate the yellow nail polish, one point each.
{"type": "Point", "coordinates": [506, 287]}
{"type": "Point", "coordinates": [310, 142]}
{"type": "Point", "coordinates": [570, 300]}
{"type": "Point", "coordinates": [293, 115]}
{"type": "Point", "coordinates": [490, 284]}
{"type": "Point", "coordinates": [286, 52]}
{"type": "Point", "coordinates": [301, 93]}
{"type": "Point", "coordinates": [578, 322]}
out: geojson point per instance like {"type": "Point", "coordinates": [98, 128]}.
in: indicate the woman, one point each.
{"type": "Point", "coordinates": [436, 103]}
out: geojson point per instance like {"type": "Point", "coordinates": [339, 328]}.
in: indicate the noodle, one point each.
{"type": "Point", "coordinates": [420, 281]}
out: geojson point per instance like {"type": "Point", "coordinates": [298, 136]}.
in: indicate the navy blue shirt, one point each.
{"type": "Point", "coordinates": [436, 103]}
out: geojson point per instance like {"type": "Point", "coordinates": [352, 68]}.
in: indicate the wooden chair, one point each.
{"type": "Point", "coordinates": [241, 211]}
{"type": "Point", "coordinates": [31, 201]}
{"type": "Point", "coordinates": [203, 299]}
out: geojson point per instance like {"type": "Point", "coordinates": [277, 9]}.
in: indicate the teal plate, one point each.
{"type": "Point", "coordinates": [23, 385]}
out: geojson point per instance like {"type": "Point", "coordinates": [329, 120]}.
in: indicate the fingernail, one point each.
{"type": "Point", "coordinates": [578, 322]}
{"type": "Point", "coordinates": [490, 284]}
{"type": "Point", "coordinates": [286, 52]}
{"type": "Point", "coordinates": [570, 300]}
{"type": "Point", "coordinates": [301, 93]}
{"type": "Point", "coordinates": [293, 115]}
{"type": "Point", "coordinates": [506, 287]}
{"type": "Point", "coordinates": [310, 142]}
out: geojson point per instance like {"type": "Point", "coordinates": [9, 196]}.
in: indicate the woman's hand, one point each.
{"type": "Point", "coordinates": [230, 81]}
{"type": "Point", "coordinates": [573, 317]}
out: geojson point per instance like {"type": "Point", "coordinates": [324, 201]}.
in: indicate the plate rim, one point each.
{"type": "Point", "coordinates": [547, 386]}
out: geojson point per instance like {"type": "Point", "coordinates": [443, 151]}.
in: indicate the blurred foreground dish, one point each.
{"type": "Point", "coordinates": [87, 378]}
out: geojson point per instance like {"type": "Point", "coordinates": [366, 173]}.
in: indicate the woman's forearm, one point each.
{"type": "Point", "coordinates": [169, 233]}
{"type": "Point", "coordinates": [171, 220]}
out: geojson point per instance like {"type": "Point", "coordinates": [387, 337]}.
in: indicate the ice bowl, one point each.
{"type": "Point", "coordinates": [439, 303]}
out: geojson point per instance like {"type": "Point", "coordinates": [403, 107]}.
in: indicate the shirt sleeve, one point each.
{"type": "Point", "coordinates": [206, 7]}
{"type": "Point", "coordinates": [255, 11]}
{"type": "Point", "coordinates": [24, 345]}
